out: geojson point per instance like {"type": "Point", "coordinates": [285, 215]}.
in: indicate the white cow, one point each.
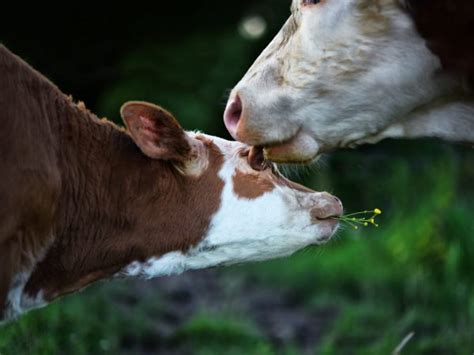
{"type": "Point", "coordinates": [346, 72]}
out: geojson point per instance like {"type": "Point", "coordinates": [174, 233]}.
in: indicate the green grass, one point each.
{"type": "Point", "coordinates": [211, 334]}
{"type": "Point", "coordinates": [84, 325]}
{"type": "Point", "coordinates": [91, 323]}
{"type": "Point", "coordinates": [412, 274]}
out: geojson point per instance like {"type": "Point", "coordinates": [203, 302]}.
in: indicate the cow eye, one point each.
{"type": "Point", "coordinates": [311, 2]}
{"type": "Point", "coordinates": [256, 159]}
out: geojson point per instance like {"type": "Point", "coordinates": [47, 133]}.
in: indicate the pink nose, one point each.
{"type": "Point", "coordinates": [327, 206]}
{"type": "Point", "coordinates": [232, 115]}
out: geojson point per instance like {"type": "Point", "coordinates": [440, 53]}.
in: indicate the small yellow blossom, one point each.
{"type": "Point", "coordinates": [364, 218]}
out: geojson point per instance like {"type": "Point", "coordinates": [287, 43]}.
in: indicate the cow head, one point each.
{"type": "Point", "coordinates": [259, 214]}
{"type": "Point", "coordinates": [340, 73]}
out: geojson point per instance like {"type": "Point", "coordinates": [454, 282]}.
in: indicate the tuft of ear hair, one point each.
{"type": "Point", "coordinates": [155, 131]}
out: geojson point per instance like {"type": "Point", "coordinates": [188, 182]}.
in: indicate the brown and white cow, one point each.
{"type": "Point", "coordinates": [346, 72]}
{"type": "Point", "coordinates": [82, 200]}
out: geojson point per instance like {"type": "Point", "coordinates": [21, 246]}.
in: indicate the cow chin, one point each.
{"type": "Point", "coordinates": [300, 149]}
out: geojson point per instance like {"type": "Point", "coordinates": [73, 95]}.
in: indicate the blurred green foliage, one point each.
{"type": "Point", "coordinates": [414, 273]}
{"type": "Point", "coordinates": [190, 91]}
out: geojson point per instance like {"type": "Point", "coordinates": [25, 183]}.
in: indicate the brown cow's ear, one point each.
{"type": "Point", "coordinates": [156, 131]}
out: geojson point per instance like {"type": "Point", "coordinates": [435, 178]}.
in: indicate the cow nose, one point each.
{"type": "Point", "coordinates": [326, 206]}
{"type": "Point", "coordinates": [232, 115]}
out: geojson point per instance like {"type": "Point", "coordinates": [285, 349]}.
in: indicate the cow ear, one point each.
{"type": "Point", "coordinates": [155, 131]}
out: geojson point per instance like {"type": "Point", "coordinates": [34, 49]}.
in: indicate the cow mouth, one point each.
{"type": "Point", "coordinates": [300, 149]}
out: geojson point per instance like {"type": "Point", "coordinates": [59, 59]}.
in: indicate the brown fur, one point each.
{"type": "Point", "coordinates": [82, 186]}
{"type": "Point", "coordinates": [251, 186]}
{"type": "Point", "coordinates": [30, 180]}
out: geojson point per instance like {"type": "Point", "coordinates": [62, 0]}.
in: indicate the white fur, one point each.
{"type": "Point", "coordinates": [168, 264]}
{"type": "Point", "coordinates": [15, 294]}
{"type": "Point", "coordinates": [17, 301]}
{"type": "Point", "coordinates": [200, 161]}
{"type": "Point", "coordinates": [343, 77]}
{"type": "Point", "coordinates": [450, 120]}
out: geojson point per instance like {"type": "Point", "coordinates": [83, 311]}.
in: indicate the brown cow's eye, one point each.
{"type": "Point", "coordinates": [311, 2]}
{"type": "Point", "coordinates": [256, 159]}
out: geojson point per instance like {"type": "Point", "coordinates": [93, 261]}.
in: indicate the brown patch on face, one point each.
{"type": "Point", "coordinates": [251, 186]}
{"type": "Point", "coordinates": [372, 22]}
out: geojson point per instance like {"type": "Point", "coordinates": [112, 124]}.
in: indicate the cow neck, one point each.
{"type": "Point", "coordinates": [431, 120]}
{"type": "Point", "coordinates": [107, 188]}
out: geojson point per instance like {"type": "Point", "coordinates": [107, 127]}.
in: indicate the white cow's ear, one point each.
{"type": "Point", "coordinates": [155, 131]}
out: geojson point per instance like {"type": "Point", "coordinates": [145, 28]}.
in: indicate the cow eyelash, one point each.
{"type": "Point", "coordinates": [257, 161]}
{"type": "Point", "coordinates": [310, 2]}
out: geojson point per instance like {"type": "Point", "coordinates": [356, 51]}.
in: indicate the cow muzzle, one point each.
{"type": "Point", "coordinates": [296, 147]}
{"type": "Point", "coordinates": [325, 214]}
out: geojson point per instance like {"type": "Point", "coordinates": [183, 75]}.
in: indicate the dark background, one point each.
{"type": "Point", "coordinates": [361, 294]}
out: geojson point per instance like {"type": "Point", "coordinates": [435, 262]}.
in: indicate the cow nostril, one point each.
{"type": "Point", "coordinates": [330, 208]}
{"type": "Point", "coordinates": [232, 115]}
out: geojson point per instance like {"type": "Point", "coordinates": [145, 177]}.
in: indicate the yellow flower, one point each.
{"type": "Point", "coordinates": [363, 218]}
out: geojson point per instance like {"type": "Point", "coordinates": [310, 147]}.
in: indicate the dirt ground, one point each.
{"type": "Point", "coordinates": [279, 315]}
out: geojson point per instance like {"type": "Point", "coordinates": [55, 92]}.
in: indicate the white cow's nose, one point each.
{"type": "Point", "coordinates": [232, 115]}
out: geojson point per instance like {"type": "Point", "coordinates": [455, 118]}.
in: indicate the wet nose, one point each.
{"type": "Point", "coordinates": [232, 115]}
{"type": "Point", "coordinates": [326, 207]}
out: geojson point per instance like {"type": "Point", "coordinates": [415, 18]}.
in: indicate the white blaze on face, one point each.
{"type": "Point", "coordinates": [340, 72]}
{"type": "Point", "coordinates": [278, 223]}
{"type": "Point", "coordinates": [275, 224]}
